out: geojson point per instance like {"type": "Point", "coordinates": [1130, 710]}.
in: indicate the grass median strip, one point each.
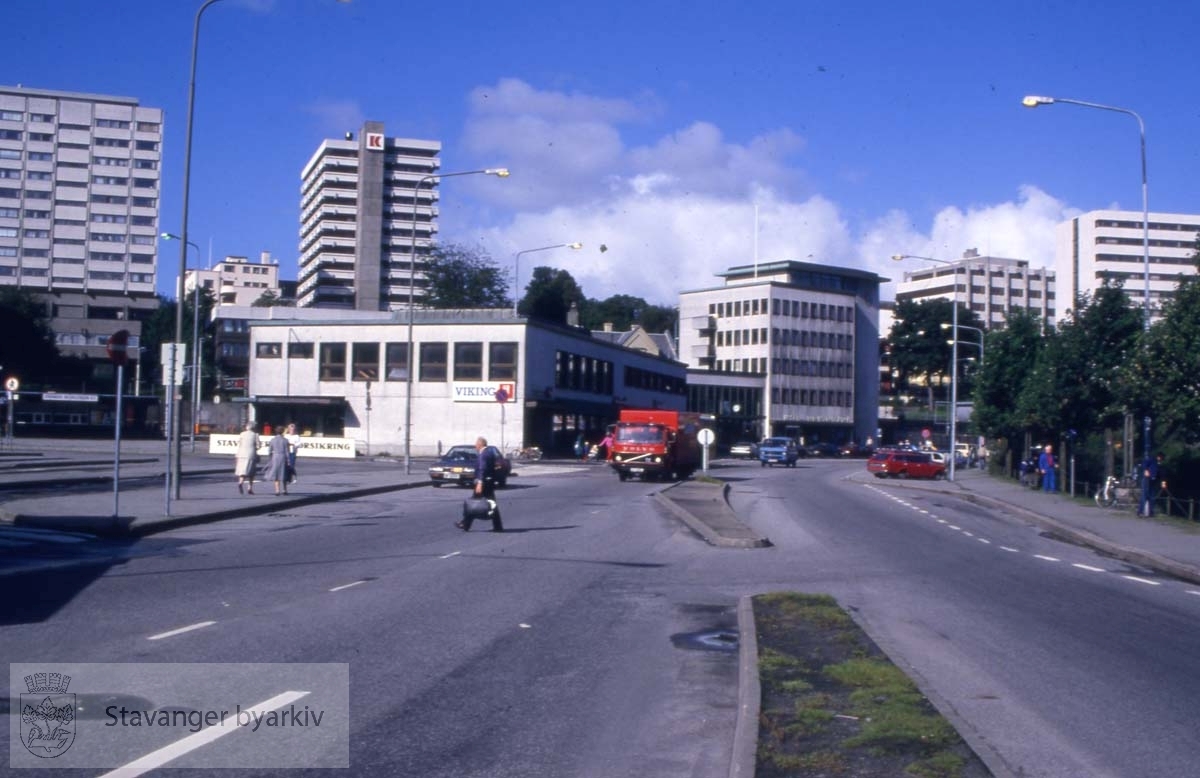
{"type": "Point", "coordinates": [834, 705]}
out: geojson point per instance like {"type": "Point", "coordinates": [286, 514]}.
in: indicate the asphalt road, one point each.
{"type": "Point", "coordinates": [544, 651]}
{"type": "Point", "coordinates": [572, 645]}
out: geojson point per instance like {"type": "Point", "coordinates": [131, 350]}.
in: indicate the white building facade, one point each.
{"type": "Point", "coordinates": [236, 280]}
{"type": "Point", "coordinates": [807, 331]}
{"type": "Point", "coordinates": [79, 200]}
{"type": "Point", "coordinates": [1109, 244]}
{"type": "Point", "coordinates": [357, 227]}
{"type": "Point", "coordinates": [991, 287]}
{"type": "Point", "coordinates": [350, 379]}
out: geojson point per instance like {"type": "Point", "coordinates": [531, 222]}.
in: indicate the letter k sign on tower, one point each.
{"type": "Point", "coordinates": [375, 141]}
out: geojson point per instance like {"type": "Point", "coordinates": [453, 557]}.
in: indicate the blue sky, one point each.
{"type": "Point", "coordinates": [855, 130]}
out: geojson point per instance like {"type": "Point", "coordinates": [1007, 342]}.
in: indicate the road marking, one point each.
{"type": "Point", "coordinates": [346, 586]}
{"type": "Point", "coordinates": [984, 540]}
{"type": "Point", "coordinates": [1192, 591]}
{"type": "Point", "coordinates": [968, 534]}
{"type": "Point", "coordinates": [1089, 567]}
{"type": "Point", "coordinates": [181, 630]}
{"type": "Point", "coordinates": [1142, 580]}
{"type": "Point", "coordinates": [453, 553]}
{"type": "Point", "coordinates": [954, 526]}
{"type": "Point", "coordinates": [1010, 550]}
{"type": "Point", "coordinates": [1046, 558]}
{"type": "Point", "coordinates": [156, 759]}
{"type": "Point", "coordinates": [942, 521]}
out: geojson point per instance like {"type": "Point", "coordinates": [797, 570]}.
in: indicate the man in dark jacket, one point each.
{"type": "Point", "coordinates": [485, 485]}
{"type": "Point", "coordinates": [1151, 473]}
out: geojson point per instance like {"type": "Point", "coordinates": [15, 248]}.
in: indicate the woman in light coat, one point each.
{"type": "Point", "coordinates": [277, 465]}
{"type": "Point", "coordinates": [246, 458]}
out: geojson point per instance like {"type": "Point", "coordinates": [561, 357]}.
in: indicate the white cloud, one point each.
{"type": "Point", "coordinates": [679, 209]}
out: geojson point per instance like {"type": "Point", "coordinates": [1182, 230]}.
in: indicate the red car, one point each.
{"type": "Point", "coordinates": [905, 464]}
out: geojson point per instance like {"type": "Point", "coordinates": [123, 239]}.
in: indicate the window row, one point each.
{"type": "Point", "coordinates": [811, 397]}
{"type": "Point", "coordinates": [738, 308]}
{"type": "Point", "coordinates": [433, 360]}
{"type": "Point", "coordinates": [751, 365]}
{"type": "Point", "coordinates": [581, 373]}
{"type": "Point", "coordinates": [654, 381]}
{"type": "Point", "coordinates": [812, 367]}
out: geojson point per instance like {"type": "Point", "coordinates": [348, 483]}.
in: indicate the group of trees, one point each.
{"type": "Point", "coordinates": [464, 277]}
{"type": "Point", "coordinates": [1079, 382]}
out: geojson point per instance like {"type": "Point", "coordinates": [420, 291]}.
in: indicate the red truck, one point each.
{"type": "Point", "coordinates": [656, 444]}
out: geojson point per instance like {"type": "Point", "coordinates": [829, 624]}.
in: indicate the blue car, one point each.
{"type": "Point", "coordinates": [778, 451]}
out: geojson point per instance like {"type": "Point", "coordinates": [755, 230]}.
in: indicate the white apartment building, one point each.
{"type": "Point", "coordinates": [79, 199]}
{"type": "Point", "coordinates": [807, 334]}
{"type": "Point", "coordinates": [1109, 244]}
{"type": "Point", "coordinates": [357, 226]}
{"type": "Point", "coordinates": [991, 287]}
{"type": "Point", "coordinates": [237, 280]}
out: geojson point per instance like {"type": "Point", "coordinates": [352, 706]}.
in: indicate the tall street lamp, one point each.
{"type": "Point", "coordinates": [195, 341]}
{"type": "Point", "coordinates": [499, 172]}
{"type": "Point", "coordinates": [1033, 101]}
{"type": "Point", "coordinates": [517, 265]}
{"type": "Point", "coordinates": [974, 329]}
{"type": "Point", "coordinates": [953, 356]}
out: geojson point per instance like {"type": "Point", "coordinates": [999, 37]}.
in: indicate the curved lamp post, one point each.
{"type": "Point", "coordinates": [517, 265]}
{"type": "Point", "coordinates": [499, 172]}
{"type": "Point", "coordinates": [1033, 101]}
{"type": "Point", "coordinates": [974, 329]}
{"type": "Point", "coordinates": [195, 342]}
{"type": "Point", "coordinates": [953, 356]}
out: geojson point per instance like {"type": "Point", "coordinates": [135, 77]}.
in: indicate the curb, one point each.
{"type": "Point", "coordinates": [711, 536]}
{"type": "Point", "coordinates": [129, 530]}
{"type": "Point", "coordinates": [744, 760]}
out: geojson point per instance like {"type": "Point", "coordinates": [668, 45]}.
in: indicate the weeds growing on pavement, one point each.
{"type": "Point", "coordinates": [834, 705]}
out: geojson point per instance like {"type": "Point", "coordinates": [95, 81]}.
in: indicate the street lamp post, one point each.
{"type": "Point", "coordinates": [517, 265]}
{"type": "Point", "coordinates": [974, 329]}
{"type": "Point", "coordinates": [953, 356]}
{"type": "Point", "coordinates": [412, 279]}
{"type": "Point", "coordinates": [1033, 101]}
{"type": "Point", "coordinates": [195, 342]}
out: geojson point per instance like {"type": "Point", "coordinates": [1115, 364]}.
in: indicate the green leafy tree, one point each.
{"type": "Point", "coordinates": [28, 349]}
{"type": "Point", "coordinates": [460, 276]}
{"type": "Point", "coordinates": [1010, 357]}
{"type": "Point", "coordinates": [271, 299]}
{"type": "Point", "coordinates": [918, 342]}
{"type": "Point", "coordinates": [624, 311]}
{"type": "Point", "coordinates": [1170, 373]}
{"type": "Point", "coordinates": [550, 295]}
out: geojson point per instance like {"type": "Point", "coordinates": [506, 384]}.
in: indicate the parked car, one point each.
{"type": "Point", "coordinates": [457, 466]}
{"type": "Point", "coordinates": [905, 464]}
{"type": "Point", "coordinates": [852, 449]}
{"type": "Point", "coordinates": [778, 451]}
{"type": "Point", "coordinates": [822, 450]}
{"type": "Point", "coordinates": [744, 450]}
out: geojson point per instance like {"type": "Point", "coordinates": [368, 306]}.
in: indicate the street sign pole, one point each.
{"type": "Point", "coordinates": [118, 343]}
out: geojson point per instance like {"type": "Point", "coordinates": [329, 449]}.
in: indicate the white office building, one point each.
{"type": "Point", "coordinates": [1109, 244]}
{"type": "Point", "coordinates": [79, 199]}
{"type": "Point", "coordinates": [236, 280]}
{"type": "Point", "coordinates": [348, 376]}
{"type": "Point", "coordinates": [991, 287]}
{"type": "Point", "coordinates": [806, 334]}
{"type": "Point", "coordinates": [357, 227]}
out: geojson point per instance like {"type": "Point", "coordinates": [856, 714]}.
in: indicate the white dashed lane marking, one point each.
{"type": "Point", "coordinates": [189, 628]}
{"type": "Point", "coordinates": [1010, 549]}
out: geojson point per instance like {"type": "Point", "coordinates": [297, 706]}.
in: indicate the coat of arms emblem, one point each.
{"type": "Point", "coordinates": [47, 715]}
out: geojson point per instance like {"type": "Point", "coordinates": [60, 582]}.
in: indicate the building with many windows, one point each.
{"type": "Point", "coordinates": [79, 198]}
{"type": "Point", "coordinates": [792, 346]}
{"type": "Point", "coordinates": [1110, 244]}
{"type": "Point", "coordinates": [348, 376]}
{"type": "Point", "coordinates": [357, 230]}
{"type": "Point", "coordinates": [237, 280]}
{"type": "Point", "coordinates": [990, 286]}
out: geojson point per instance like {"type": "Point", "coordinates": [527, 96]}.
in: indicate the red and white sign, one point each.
{"type": "Point", "coordinates": [483, 391]}
{"type": "Point", "coordinates": [118, 342]}
{"type": "Point", "coordinates": [375, 141]}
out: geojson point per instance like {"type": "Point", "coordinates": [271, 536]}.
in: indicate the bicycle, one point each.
{"type": "Point", "coordinates": [1118, 493]}
{"type": "Point", "coordinates": [527, 454]}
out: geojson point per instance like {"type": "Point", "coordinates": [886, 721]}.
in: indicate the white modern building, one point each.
{"type": "Point", "coordinates": [805, 334]}
{"type": "Point", "coordinates": [236, 280]}
{"type": "Point", "coordinates": [991, 287]}
{"type": "Point", "coordinates": [79, 199]}
{"type": "Point", "coordinates": [350, 378]}
{"type": "Point", "coordinates": [1109, 244]}
{"type": "Point", "coordinates": [357, 231]}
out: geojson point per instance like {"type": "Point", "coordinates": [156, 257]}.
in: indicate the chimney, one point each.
{"type": "Point", "coordinates": [608, 326]}
{"type": "Point", "coordinates": [573, 315]}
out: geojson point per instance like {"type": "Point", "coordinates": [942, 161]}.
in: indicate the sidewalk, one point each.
{"type": "Point", "coordinates": [1170, 546]}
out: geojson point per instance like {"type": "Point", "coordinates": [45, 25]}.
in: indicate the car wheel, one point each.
{"type": "Point", "coordinates": [902, 474]}
{"type": "Point", "coordinates": [622, 475]}
{"type": "Point", "coordinates": [437, 484]}
{"type": "Point", "coordinates": [881, 475]}
{"type": "Point", "coordinates": [939, 475]}
{"type": "Point", "coordinates": [763, 463]}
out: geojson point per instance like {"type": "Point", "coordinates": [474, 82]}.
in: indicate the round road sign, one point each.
{"type": "Point", "coordinates": [706, 437]}
{"type": "Point", "coordinates": [12, 384]}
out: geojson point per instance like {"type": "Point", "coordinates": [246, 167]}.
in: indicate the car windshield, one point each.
{"type": "Point", "coordinates": [640, 434]}
{"type": "Point", "coordinates": [776, 442]}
